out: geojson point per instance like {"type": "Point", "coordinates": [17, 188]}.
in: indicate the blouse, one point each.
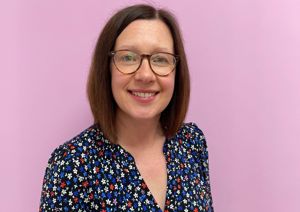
{"type": "Point", "coordinates": [89, 173]}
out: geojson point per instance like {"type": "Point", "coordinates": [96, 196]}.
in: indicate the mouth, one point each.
{"type": "Point", "coordinates": [143, 94]}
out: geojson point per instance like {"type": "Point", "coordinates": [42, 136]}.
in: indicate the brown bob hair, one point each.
{"type": "Point", "coordinates": [99, 91]}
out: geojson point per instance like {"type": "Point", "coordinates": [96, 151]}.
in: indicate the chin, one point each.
{"type": "Point", "coordinates": [145, 117]}
{"type": "Point", "coordinates": [140, 115]}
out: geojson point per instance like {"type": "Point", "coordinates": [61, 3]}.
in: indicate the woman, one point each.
{"type": "Point", "coordinates": [138, 156]}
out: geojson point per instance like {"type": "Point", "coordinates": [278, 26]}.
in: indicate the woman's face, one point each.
{"type": "Point", "coordinates": [143, 95]}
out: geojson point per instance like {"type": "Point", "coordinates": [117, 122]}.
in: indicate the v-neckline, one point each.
{"type": "Point", "coordinates": [166, 154]}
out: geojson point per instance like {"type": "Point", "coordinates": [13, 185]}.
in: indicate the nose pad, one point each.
{"type": "Point", "coordinates": [145, 70]}
{"type": "Point", "coordinates": [147, 62]}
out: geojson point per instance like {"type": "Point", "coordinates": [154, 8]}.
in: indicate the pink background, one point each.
{"type": "Point", "coordinates": [244, 57]}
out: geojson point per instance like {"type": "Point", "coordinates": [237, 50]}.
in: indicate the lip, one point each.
{"type": "Point", "coordinates": [140, 99]}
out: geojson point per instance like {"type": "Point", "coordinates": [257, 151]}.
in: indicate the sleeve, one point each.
{"type": "Point", "coordinates": [202, 160]}
{"type": "Point", "coordinates": [64, 184]}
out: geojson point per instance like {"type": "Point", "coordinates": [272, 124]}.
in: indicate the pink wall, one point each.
{"type": "Point", "coordinates": [244, 58]}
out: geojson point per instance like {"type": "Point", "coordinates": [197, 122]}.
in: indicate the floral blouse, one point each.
{"type": "Point", "coordinates": [89, 173]}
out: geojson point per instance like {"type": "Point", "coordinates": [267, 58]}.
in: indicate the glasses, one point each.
{"type": "Point", "coordinates": [128, 62]}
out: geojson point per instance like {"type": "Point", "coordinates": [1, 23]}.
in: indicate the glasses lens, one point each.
{"type": "Point", "coordinates": [126, 61]}
{"type": "Point", "coordinates": [163, 63]}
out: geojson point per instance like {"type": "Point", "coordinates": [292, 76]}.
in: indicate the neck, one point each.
{"type": "Point", "coordinates": [138, 134]}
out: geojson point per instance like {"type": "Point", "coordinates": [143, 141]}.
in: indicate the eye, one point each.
{"type": "Point", "coordinates": [126, 57]}
{"type": "Point", "coordinates": [160, 59]}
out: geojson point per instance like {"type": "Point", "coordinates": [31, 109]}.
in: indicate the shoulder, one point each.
{"type": "Point", "coordinates": [80, 148]}
{"type": "Point", "coordinates": [191, 133]}
{"type": "Point", "coordinates": [190, 139]}
{"type": "Point", "coordinates": [66, 178]}
{"type": "Point", "coordinates": [191, 129]}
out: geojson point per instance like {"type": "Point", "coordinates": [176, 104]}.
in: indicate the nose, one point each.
{"type": "Point", "coordinates": [144, 73]}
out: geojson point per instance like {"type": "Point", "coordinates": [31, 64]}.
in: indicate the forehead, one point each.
{"type": "Point", "coordinates": [145, 36]}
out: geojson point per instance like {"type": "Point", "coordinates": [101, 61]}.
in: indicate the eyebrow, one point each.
{"type": "Point", "coordinates": [135, 49]}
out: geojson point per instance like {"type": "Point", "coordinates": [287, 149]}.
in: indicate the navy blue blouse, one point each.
{"type": "Point", "coordinates": [89, 173]}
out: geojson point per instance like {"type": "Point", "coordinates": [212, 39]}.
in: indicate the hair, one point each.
{"type": "Point", "coordinates": [99, 90]}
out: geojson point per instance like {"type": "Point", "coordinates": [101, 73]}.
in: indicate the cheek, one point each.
{"type": "Point", "coordinates": [119, 82]}
{"type": "Point", "coordinates": [169, 84]}
{"type": "Point", "coordinates": [115, 77]}
{"type": "Point", "coordinates": [171, 88]}
{"type": "Point", "coordinates": [114, 82]}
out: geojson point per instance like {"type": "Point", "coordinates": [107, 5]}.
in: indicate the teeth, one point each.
{"type": "Point", "coordinates": [143, 95]}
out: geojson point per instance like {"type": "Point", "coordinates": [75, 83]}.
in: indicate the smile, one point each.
{"type": "Point", "coordinates": [142, 94]}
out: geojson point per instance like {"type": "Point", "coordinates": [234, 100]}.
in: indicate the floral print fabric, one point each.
{"type": "Point", "coordinates": [88, 173]}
